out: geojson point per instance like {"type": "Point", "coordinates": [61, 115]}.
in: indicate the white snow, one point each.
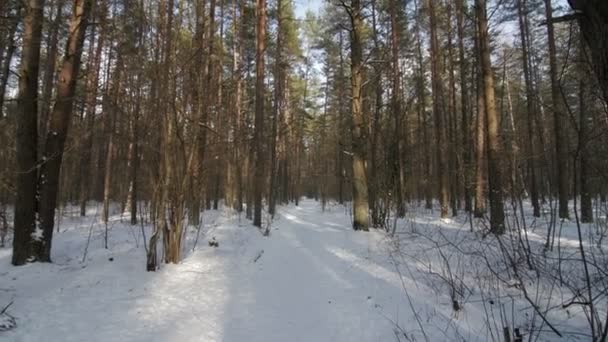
{"type": "Point", "coordinates": [312, 279]}
{"type": "Point", "coordinates": [37, 234]}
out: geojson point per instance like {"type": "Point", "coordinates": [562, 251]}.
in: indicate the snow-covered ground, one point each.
{"type": "Point", "coordinates": [312, 279]}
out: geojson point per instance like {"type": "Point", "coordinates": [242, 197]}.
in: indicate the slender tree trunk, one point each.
{"type": "Point", "coordinates": [585, 122]}
{"type": "Point", "coordinates": [238, 66]}
{"type": "Point", "coordinates": [494, 151]}
{"type": "Point", "coordinates": [511, 135]}
{"type": "Point", "coordinates": [341, 141]}
{"type": "Point", "coordinates": [453, 149]}
{"type": "Point", "coordinates": [481, 138]}
{"type": "Point", "coordinates": [375, 130]}
{"type": "Point", "coordinates": [465, 108]}
{"type": "Point", "coordinates": [439, 114]}
{"type": "Point", "coordinates": [133, 162]}
{"type": "Point", "coordinates": [259, 172]}
{"type": "Point", "coordinates": [278, 109]}
{"type": "Point", "coordinates": [559, 119]}
{"type": "Point", "coordinates": [397, 107]}
{"type": "Point", "coordinates": [530, 111]}
{"type": "Point", "coordinates": [111, 108]}
{"type": "Point", "coordinates": [91, 103]}
{"type": "Point", "coordinates": [423, 117]}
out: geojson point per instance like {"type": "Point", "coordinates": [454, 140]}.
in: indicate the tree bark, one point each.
{"type": "Point", "coordinates": [560, 121]}
{"type": "Point", "coordinates": [439, 114]}
{"type": "Point", "coordinates": [92, 83]}
{"type": "Point", "coordinates": [27, 135]}
{"type": "Point", "coordinates": [461, 9]}
{"type": "Point", "coordinates": [480, 140]}
{"type": "Point", "coordinates": [585, 122]}
{"type": "Point", "coordinates": [359, 177]}
{"type": "Point", "coordinates": [277, 110]}
{"type": "Point", "coordinates": [58, 129]}
{"type": "Point", "coordinates": [259, 158]}
{"type": "Point", "coordinates": [397, 107]}
{"type": "Point", "coordinates": [530, 111]}
{"type": "Point", "coordinates": [494, 151]}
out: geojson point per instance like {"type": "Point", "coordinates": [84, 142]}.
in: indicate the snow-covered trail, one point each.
{"type": "Point", "coordinates": [313, 279]}
{"type": "Point", "coordinates": [314, 282]}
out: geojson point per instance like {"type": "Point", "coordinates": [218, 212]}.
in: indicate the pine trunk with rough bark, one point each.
{"type": "Point", "coordinates": [59, 122]}
{"type": "Point", "coordinates": [494, 151]}
{"type": "Point", "coordinates": [359, 177]}
{"type": "Point", "coordinates": [27, 134]}
{"type": "Point", "coordinates": [480, 140]}
{"type": "Point", "coordinates": [258, 139]}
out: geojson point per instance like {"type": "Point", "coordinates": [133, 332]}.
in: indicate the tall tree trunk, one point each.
{"type": "Point", "coordinates": [238, 80]}
{"type": "Point", "coordinates": [426, 169]}
{"type": "Point", "coordinates": [92, 83]}
{"type": "Point", "coordinates": [27, 135]}
{"type": "Point", "coordinates": [199, 96]}
{"type": "Point", "coordinates": [461, 11]}
{"type": "Point", "coordinates": [439, 114]}
{"type": "Point", "coordinates": [359, 177]}
{"type": "Point", "coordinates": [480, 139]}
{"type": "Point", "coordinates": [111, 107]}
{"type": "Point", "coordinates": [258, 139]}
{"type": "Point", "coordinates": [494, 152]}
{"type": "Point", "coordinates": [375, 130]}
{"type": "Point", "coordinates": [397, 107]}
{"type": "Point", "coordinates": [341, 142]}
{"type": "Point", "coordinates": [58, 129]}
{"type": "Point", "coordinates": [277, 111]}
{"type": "Point", "coordinates": [560, 121]}
{"type": "Point", "coordinates": [453, 149]}
{"type": "Point", "coordinates": [133, 161]}
{"type": "Point", "coordinates": [585, 122]}
{"type": "Point", "coordinates": [530, 111]}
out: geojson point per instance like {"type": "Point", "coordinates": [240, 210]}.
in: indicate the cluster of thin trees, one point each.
{"type": "Point", "coordinates": [170, 107]}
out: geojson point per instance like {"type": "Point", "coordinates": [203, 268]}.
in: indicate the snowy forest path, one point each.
{"type": "Point", "coordinates": [312, 279]}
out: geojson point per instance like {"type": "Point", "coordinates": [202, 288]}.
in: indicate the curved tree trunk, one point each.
{"type": "Point", "coordinates": [58, 128]}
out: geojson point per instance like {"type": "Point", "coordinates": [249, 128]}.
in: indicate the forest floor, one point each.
{"type": "Point", "coordinates": [312, 279]}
